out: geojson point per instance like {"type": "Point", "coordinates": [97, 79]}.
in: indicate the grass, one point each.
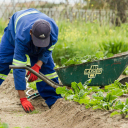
{"type": "Point", "coordinates": [34, 112]}
{"type": "Point", "coordinates": [3, 24]}
{"type": "Point", "coordinates": [80, 39]}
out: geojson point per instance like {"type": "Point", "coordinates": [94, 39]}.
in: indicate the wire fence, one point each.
{"type": "Point", "coordinates": [59, 10]}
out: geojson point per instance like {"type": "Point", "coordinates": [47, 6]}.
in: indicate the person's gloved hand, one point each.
{"type": "Point", "coordinates": [32, 76]}
{"type": "Point", "coordinates": [27, 106]}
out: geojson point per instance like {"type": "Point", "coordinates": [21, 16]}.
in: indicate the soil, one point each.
{"type": "Point", "coordinates": [63, 114]}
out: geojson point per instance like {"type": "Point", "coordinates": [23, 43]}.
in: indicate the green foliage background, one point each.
{"type": "Point", "coordinates": [78, 39]}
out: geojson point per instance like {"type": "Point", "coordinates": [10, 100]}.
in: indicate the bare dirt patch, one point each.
{"type": "Point", "coordinates": [63, 114]}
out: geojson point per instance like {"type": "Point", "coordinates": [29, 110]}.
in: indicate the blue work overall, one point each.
{"type": "Point", "coordinates": [16, 43]}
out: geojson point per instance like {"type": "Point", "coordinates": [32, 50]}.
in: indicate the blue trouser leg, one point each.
{"type": "Point", "coordinates": [47, 92]}
{"type": "Point", "coordinates": [6, 57]}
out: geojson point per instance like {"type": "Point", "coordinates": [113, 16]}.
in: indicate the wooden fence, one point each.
{"type": "Point", "coordinates": [101, 16]}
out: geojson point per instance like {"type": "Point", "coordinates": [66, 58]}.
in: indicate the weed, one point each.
{"type": "Point", "coordinates": [34, 112]}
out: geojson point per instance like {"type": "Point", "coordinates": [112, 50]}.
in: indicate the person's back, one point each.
{"type": "Point", "coordinates": [22, 21]}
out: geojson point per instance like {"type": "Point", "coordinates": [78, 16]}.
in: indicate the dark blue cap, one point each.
{"type": "Point", "coordinates": [41, 30]}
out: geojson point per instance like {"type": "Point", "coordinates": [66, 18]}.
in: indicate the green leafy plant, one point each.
{"type": "Point", "coordinates": [125, 72]}
{"type": "Point", "coordinates": [113, 46]}
{"type": "Point", "coordinates": [80, 93]}
{"type": "Point", "coordinates": [64, 91]}
{"type": "Point", "coordinates": [120, 88]}
{"type": "Point", "coordinates": [32, 85]}
{"type": "Point", "coordinates": [76, 93]}
{"type": "Point", "coordinates": [104, 102]}
{"type": "Point", "coordinates": [79, 60]}
{"type": "Point", "coordinates": [3, 125]}
{"type": "Point", "coordinates": [122, 107]}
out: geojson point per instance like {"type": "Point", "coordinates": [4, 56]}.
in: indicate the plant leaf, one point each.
{"type": "Point", "coordinates": [114, 113]}
{"type": "Point", "coordinates": [117, 92]}
{"type": "Point", "coordinates": [97, 107]}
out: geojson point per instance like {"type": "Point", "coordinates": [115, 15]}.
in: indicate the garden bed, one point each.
{"type": "Point", "coordinates": [64, 114]}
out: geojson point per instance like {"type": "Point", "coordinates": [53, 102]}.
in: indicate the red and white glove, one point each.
{"type": "Point", "coordinates": [27, 106]}
{"type": "Point", "coordinates": [32, 76]}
